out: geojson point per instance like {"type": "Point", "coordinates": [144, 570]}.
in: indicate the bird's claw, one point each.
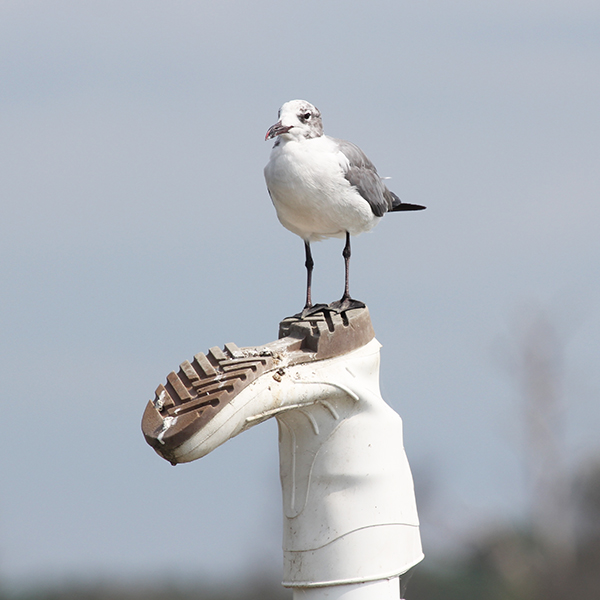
{"type": "Point", "coordinates": [308, 311]}
{"type": "Point", "coordinates": [340, 306]}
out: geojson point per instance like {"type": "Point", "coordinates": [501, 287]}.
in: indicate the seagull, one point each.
{"type": "Point", "coordinates": [323, 187]}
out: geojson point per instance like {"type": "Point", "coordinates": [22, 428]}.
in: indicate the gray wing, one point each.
{"type": "Point", "coordinates": [362, 174]}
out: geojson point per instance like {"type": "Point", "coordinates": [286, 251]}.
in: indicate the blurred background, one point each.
{"type": "Point", "coordinates": [136, 231]}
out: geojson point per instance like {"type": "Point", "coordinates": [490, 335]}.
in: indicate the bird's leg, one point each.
{"type": "Point", "coordinates": [309, 308]}
{"type": "Point", "coordinates": [346, 253]}
{"type": "Point", "coordinates": [309, 264]}
{"type": "Point", "coordinates": [346, 302]}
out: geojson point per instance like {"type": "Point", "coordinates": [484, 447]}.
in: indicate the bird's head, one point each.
{"type": "Point", "coordinates": [298, 119]}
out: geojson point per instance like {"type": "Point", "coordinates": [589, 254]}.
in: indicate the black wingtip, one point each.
{"type": "Point", "coordinates": [407, 206]}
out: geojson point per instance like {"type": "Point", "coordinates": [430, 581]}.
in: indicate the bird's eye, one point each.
{"type": "Point", "coordinates": [306, 116]}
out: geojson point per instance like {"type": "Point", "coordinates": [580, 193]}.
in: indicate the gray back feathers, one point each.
{"type": "Point", "coordinates": [363, 175]}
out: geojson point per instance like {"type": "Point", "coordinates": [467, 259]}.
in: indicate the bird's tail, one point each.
{"type": "Point", "coordinates": [398, 205]}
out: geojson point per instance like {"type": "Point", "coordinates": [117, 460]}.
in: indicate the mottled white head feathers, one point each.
{"type": "Point", "coordinates": [297, 119]}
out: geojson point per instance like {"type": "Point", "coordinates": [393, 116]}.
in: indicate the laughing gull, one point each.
{"type": "Point", "coordinates": [323, 187]}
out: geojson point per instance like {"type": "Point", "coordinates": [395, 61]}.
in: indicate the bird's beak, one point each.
{"type": "Point", "coordinates": [276, 130]}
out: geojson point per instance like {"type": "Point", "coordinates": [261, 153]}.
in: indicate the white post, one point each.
{"type": "Point", "coordinates": [382, 589]}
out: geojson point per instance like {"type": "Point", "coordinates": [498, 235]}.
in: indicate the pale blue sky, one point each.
{"type": "Point", "coordinates": [136, 230]}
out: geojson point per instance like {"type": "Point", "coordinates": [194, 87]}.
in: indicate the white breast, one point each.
{"type": "Point", "coordinates": [311, 196]}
